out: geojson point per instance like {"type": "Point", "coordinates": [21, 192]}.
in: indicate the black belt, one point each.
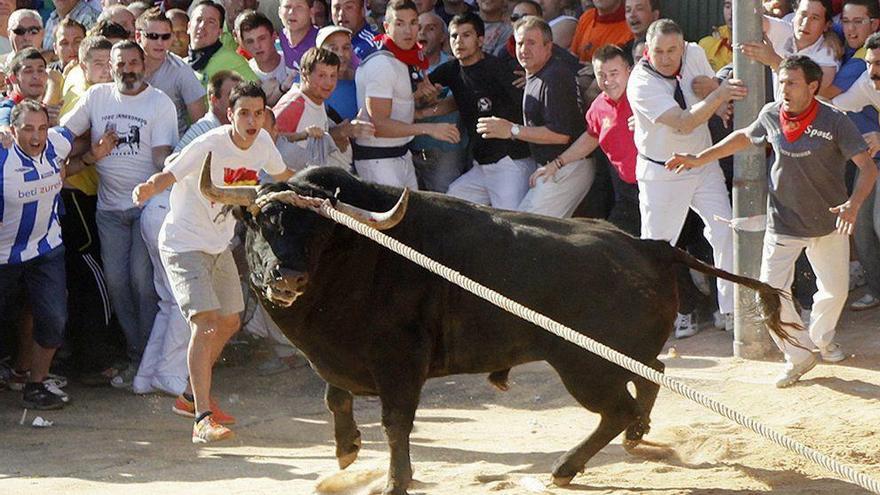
{"type": "Point", "coordinates": [377, 153]}
{"type": "Point", "coordinates": [643, 157]}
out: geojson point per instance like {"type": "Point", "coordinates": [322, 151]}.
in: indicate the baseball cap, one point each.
{"type": "Point", "coordinates": [327, 31]}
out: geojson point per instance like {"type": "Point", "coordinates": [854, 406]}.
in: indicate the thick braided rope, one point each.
{"type": "Point", "coordinates": [829, 463]}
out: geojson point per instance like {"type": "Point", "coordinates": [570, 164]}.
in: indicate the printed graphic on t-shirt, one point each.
{"type": "Point", "coordinates": [128, 132]}
{"type": "Point", "coordinates": [240, 177]}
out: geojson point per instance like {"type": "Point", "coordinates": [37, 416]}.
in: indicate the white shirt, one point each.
{"type": "Point", "coordinates": [194, 223]}
{"type": "Point", "coordinates": [279, 73]}
{"type": "Point", "coordinates": [781, 36]}
{"type": "Point", "coordinates": [144, 121]}
{"type": "Point", "coordinates": [650, 96]}
{"type": "Point", "coordinates": [861, 94]}
{"type": "Point", "coordinates": [383, 76]}
{"type": "Point", "coordinates": [29, 199]}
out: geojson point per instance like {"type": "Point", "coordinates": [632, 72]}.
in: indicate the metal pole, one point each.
{"type": "Point", "coordinates": [751, 340]}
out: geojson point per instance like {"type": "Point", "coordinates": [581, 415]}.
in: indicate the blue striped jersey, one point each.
{"type": "Point", "coordinates": [30, 203]}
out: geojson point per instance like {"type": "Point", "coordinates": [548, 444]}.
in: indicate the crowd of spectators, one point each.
{"type": "Point", "coordinates": [600, 108]}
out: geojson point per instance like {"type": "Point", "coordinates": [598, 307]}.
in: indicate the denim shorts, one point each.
{"type": "Point", "coordinates": [45, 280]}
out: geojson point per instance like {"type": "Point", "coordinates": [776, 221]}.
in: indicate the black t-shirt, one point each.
{"type": "Point", "coordinates": [551, 101]}
{"type": "Point", "coordinates": [484, 89]}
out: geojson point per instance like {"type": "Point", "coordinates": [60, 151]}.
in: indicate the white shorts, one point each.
{"type": "Point", "coordinates": [502, 184]}
{"type": "Point", "coordinates": [560, 196]}
{"type": "Point", "coordinates": [398, 171]}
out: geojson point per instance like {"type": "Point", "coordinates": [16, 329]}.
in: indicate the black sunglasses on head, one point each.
{"type": "Point", "coordinates": [516, 17]}
{"type": "Point", "coordinates": [20, 31]}
{"type": "Point", "coordinates": [157, 36]}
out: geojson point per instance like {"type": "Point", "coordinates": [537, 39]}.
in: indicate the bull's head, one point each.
{"type": "Point", "coordinates": [284, 229]}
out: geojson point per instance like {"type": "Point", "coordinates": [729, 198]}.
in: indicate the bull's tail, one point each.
{"type": "Point", "coordinates": [770, 298]}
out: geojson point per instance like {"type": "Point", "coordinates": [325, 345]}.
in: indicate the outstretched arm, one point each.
{"type": "Point", "coordinates": [735, 142]}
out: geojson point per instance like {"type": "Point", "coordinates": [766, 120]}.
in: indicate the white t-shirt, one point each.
{"type": "Point", "coordinates": [781, 36]}
{"type": "Point", "coordinates": [383, 76]}
{"type": "Point", "coordinates": [861, 94]}
{"type": "Point", "coordinates": [176, 79]}
{"type": "Point", "coordinates": [142, 122]}
{"type": "Point", "coordinates": [279, 73]}
{"type": "Point", "coordinates": [650, 96]}
{"type": "Point", "coordinates": [194, 223]}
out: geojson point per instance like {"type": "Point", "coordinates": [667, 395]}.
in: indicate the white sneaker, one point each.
{"type": "Point", "coordinates": [51, 386]}
{"type": "Point", "coordinates": [867, 301]}
{"type": "Point", "coordinates": [685, 326]}
{"type": "Point", "coordinates": [723, 321]}
{"type": "Point", "coordinates": [832, 353]}
{"type": "Point", "coordinates": [793, 373]}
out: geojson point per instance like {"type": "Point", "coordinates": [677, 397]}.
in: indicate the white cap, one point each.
{"type": "Point", "coordinates": [327, 31]}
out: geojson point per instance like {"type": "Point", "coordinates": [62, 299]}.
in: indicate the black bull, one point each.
{"type": "Point", "coordinates": [373, 323]}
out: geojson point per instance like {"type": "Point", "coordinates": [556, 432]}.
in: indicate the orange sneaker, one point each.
{"type": "Point", "coordinates": [187, 408]}
{"type": "Point", "coordinates": [208, 430]}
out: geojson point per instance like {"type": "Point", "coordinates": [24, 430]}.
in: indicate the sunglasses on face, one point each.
{"type": "Point", "coordinates": [157, 36]}
{"type": "Point", "coordinates": [21, 31]}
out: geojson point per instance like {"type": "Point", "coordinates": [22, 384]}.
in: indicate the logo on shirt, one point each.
{"type": "Point", "coordinates": [240, 177]}
{"type": "Point", "coordinates": [484, 104]}
{"type": "Point", "coordinates": [607, 122]}
{"type": "Point", "coordinates": [813, 132]}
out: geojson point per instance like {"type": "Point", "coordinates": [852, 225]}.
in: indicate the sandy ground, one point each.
{"type": "Point", "coordinates": [469, 438]}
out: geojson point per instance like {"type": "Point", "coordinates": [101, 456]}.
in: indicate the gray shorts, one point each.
{"type": "Point", "coordinates": [204, 282]}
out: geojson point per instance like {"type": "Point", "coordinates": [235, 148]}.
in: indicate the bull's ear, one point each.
{"type": "Point", "coordinates": [242, 214]}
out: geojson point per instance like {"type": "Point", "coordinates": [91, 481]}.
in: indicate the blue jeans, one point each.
{"type": "Point", "coordinates": [44, 278]}
{"type": "Point", "coordinates": [867, 240]}
{"type": "Point", "coordinates": [436, 168]}
{"type": "Point", "coordinates": [129, 274]}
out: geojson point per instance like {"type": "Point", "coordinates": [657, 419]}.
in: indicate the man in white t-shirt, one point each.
{"type": "Point", "coordinates": [194, 244]}
{"type": "Point", "coordinates": [257, 36]}
{"type": "Point", "coordinates": [802, 35]}
{"type": "Point", "coordinates": [670, 118]}
{"type": "Point", "coordinates": [168, 72]}
{"type": "Point", "coordinates": [385, 83]}
{"type": "Point", "coordinates": [142, 122]}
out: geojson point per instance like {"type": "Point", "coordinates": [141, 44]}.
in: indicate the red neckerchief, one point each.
{"type": "Point", "coordinates": [15, 96]}
{"type": "Point", "coordinates": [511, 46]}
{"type": "Point", "coordinates": [618, 15]}
{"type": "Point", "coordinates": [413, 56]}
{"type": "Point", "coordinates": [794, 126]}
{"type": "Point", "coordinates": [244, 53]}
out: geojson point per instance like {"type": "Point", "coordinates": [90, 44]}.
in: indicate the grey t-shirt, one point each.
{"type": "Point", "coordinates": [807, 176]}
{"type": "Point", "coordinates": [176, 79]}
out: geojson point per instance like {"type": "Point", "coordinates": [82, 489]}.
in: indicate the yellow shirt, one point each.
{"type": "Point", "coordinates": [75, 85]}
{"type": "Point", "coordinates": [718, 47]}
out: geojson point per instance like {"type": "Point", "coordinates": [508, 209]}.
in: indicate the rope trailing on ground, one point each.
{"type": "Point", "coordinates": [489, 295]}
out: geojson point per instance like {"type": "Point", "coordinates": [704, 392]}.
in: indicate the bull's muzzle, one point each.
{"type": "Point", "coordinates": [284, 285]}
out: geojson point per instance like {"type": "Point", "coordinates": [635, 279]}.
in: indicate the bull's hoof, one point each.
{"type": "Point", "coordinates": [345, 459]}
{"type": "Point", "coordinates": [630, 445]}
{"type": "Point", "coordinates": [562, 480]}
{"type": "Point", "coordinates": [499, 379]}
{"type": "Point", "coordinates": [635, 432]}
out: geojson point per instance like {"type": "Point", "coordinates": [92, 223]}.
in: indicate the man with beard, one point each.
{"type": "Point", "coordinates": [194, 244]}
{"type": "Point", "coordinates": [385, 84]}
{"type": "Point", "coordinates": [808, 207]}
{"type": "Point", "coordinates": [142, 121]}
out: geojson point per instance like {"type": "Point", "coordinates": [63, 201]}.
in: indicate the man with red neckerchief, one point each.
{"type": "Point", "coordinates": [386, 81]}
{"type": "Point", "coordinates": [605, 24]}
{"type": "Point", "coordinates": [808, 207]}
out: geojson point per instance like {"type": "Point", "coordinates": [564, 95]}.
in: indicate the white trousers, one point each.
{"type": "Point", "coordinates": [398, 171]}
{"type": "Point", "coordinates": [829, 257]}
{"type": "Point", "coordinates": [502, 184]}
{"type": "Point", "coordinates": [664, 205]}
{"type": "Point", "coordinates": [560, 196]}
{"type": "Point", "coordinates": [163, 365]}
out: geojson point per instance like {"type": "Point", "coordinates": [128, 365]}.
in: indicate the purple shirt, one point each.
{"type": "Point", "coordinates": [293, 54]}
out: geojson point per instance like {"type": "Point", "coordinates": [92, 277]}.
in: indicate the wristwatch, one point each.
{"type": "Point", "coordinates": [514, 131]}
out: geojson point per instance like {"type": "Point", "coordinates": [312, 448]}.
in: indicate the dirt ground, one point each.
{"type": "Point", "coordinates": [469, 438]}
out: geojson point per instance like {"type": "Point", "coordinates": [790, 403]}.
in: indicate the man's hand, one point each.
{"type": "Point", "coordinates": [104, 145]}
{"type": "Point", "coordinates": [427, 91]}
{"type": "Point", "coordinates": [682, 161]}
{"type": "Point", "coordinates": [548, 172]}
{"type": "Point", "coordinates": [733, 90]}
{"type": "Point", "coordinates": [494, 128]}
{"type": "Point", "coordinates": [443, 132]}
{"type": "Point", "coordinates": [6, 138]}
{"type": "Point", "coordinates": [631, 122]}
{"type": "Point", "coordinates": [361, 127]}
{"type": "Point", "coordinates": [314, 132]}
{"type": "Point", "coordinates": [142, 193]}
{"type": "Point", "coordinates": [846, 217]}
{"type": "Point", "coordinates": [725, 112]}
{"type": "Point", "coordinates": [54, 112]}
{"type": "Point", "coordinates": [873, 140]}
{"type": "Point", "coordinates": [702, 86]}
{"type": "Point", "coordinates": [760, 51]}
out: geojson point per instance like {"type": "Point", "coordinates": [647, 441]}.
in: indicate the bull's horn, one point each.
{"type": "Point", "coordinates": [379, 221]}
{"type": "Point", "coordinates": [227, 195]}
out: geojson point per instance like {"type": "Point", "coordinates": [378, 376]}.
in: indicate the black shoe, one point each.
{"type": "Point", "coordinates": [37, 396]}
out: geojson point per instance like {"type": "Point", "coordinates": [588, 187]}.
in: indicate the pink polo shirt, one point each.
{"type": "Point", "coordinates": [607, 122]}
